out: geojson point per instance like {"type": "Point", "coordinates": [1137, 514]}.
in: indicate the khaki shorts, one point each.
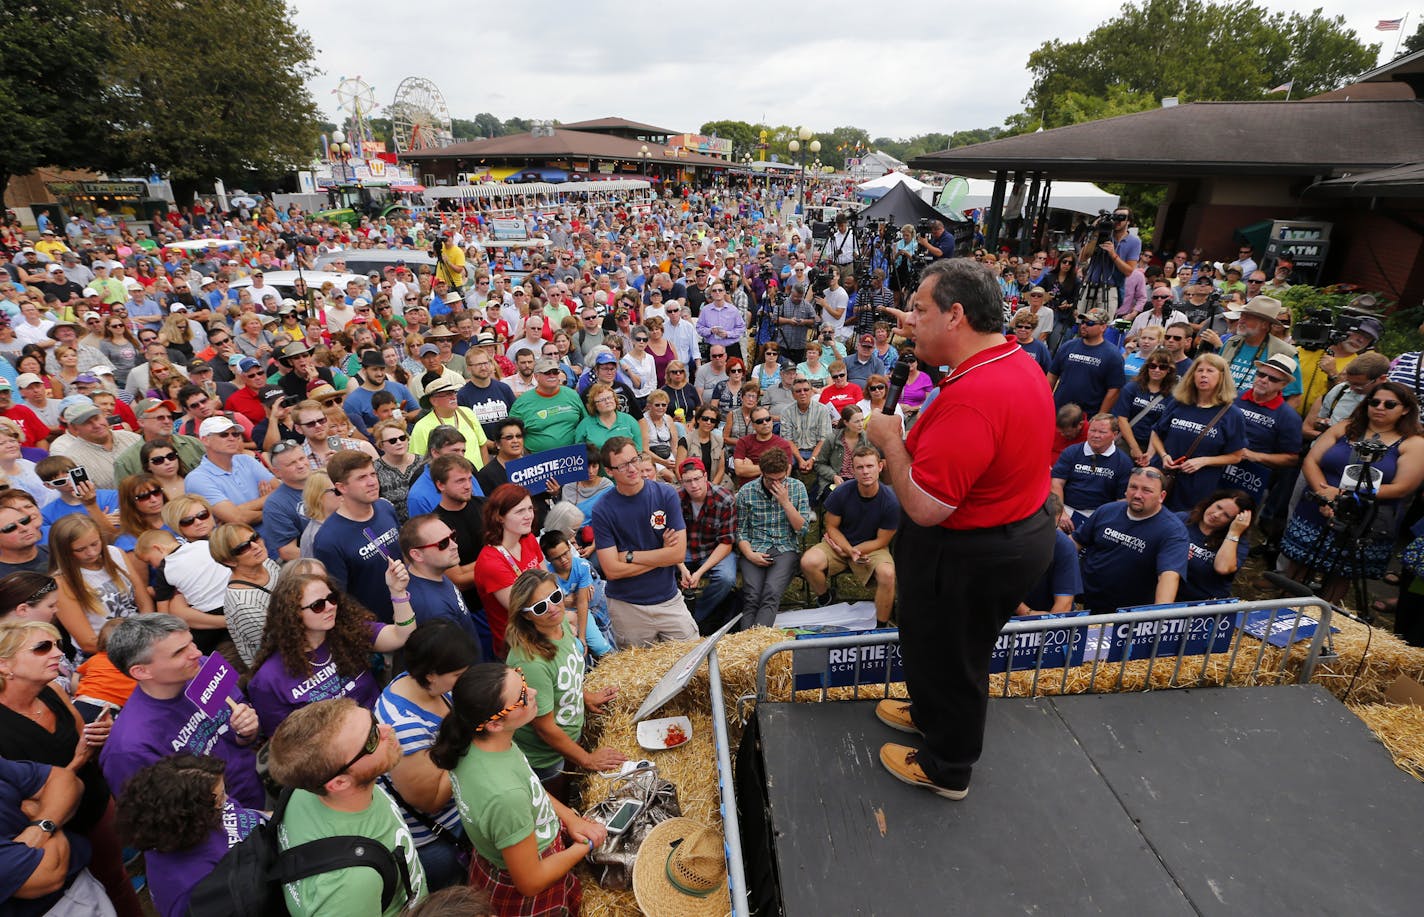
{"type": "Point", "coordinates": [836, 564]}
{"type": "Point", "coordinates": [644, 625]}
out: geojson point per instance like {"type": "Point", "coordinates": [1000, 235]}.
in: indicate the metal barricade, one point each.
{"type": "Point", "coordinates": [731, 825]}
{"type": "Point", "coordinates": [1154, 623]}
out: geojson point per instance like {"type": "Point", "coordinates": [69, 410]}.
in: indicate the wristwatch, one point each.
{"type": "Point", "coordinates": [45, 825]}
{"type": "Point", "coordinates": [628, 557]}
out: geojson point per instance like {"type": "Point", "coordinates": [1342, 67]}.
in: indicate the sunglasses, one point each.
{"type": "Point", "coordinates": [761, 420]}
{"type": "Point", "coordinates": [875, 388]}
{"type": "Point", "coordinates": [547, 604]}
{"type": "Point", "coordinates": [394, 440]}
{"type": "Point", "coordinates": [1174, 337]}
{"type": "Point", "coordinates": [709, 418]}
{"type": "Point", "coordinates": [243, 546]}
{"type": "Point", "coordinates": [440, 545]}
{"type": "Point", "coordinates": [1152, 366]}
{"type": "Point", "coordinates": [1162, 297]}
{"type": "Point", "coordinates": [519, 702]}
{"type": "Point", "coordinates": [1089, 322]}
{"type": "Point", "coordinates": [148, 494]}
{"type": "Point", "coordinates": [1382, 403]}
{"type": "Point", "coordinates": [331, 600]}
{"type": "Point", "coordinates": [200, 516]}
{"type": "Point", "coordinates": [23, 520]}
{"type": "Point", "coordinates": [640, 340]}
{"type": "Point", "coordinates": [373, 742]}
{"type": "Point", "coordinates": [44, 647]}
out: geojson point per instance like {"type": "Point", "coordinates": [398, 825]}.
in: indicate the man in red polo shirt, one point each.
{"type": "Point", "coordinates": [974, 533]}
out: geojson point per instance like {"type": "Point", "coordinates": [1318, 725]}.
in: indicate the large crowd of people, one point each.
{"type": "Point", "coordinates": [318, 485]}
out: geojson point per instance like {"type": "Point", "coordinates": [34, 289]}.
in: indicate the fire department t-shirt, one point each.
{"type": "Point", "coordinates": [637, 523]}
{"type": "Point", "coordinates": [979, 447]}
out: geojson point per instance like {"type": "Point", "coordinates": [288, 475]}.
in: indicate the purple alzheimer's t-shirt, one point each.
{"type": "Point", "coordinates": [172, 876]}
{"type": "Point", "coordinates": [150, 729]}
{"type": "Point", "coordinates": [276, 693]}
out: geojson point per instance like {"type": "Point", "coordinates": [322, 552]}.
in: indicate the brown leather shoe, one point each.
{"type": "Point", "coordinates": [899, 760]}
{"type": "Point", "coordinates": [896, 715]}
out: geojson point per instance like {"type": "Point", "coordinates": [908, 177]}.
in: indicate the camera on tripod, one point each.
{"type": "Point", "coordinates": [1319, 328]}
{"type": "Point", "coordinates": [1103, 226]}
{"type": "Point", "coordinates": [819, 280]}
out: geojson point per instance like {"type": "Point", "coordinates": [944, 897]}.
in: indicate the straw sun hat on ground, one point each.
{"type": "Point", "coordinates": [681, 871]}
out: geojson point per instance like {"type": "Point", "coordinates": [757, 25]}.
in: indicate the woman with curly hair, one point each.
{"type": "Point", "coordinates": [544, 646]}
{"type": "Point", "coordinates": [141, 502]}
{"type": "Point", "coordinates": [318, 644]}
{"type": "Point", "coordinates": [179, 814]}
{"type": "Point", "coordinates": [521, 857]}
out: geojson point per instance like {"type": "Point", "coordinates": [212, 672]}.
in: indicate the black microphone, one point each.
{"type": "Point", "coordinates": [899, 375]}
{"type": "Point", "coordinates": [1288, 585]}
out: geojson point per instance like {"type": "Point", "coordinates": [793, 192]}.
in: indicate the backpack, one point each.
{"type": "Point", "coordinates": [248, 880]}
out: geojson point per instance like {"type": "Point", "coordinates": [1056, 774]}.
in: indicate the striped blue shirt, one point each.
{"type": "Point", "coordinates": [415, 730]}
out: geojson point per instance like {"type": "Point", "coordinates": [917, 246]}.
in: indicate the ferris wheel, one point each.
{"type": "Point", "coordinates": [420, 119]}
{"type": "Point", "coordinates": [357, 102]}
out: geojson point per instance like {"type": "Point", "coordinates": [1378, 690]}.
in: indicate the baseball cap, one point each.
{"type": "Point", "coordinates": [90, 291]}
{"type": "Point", "coordinates": [89, 316]}
{"type": "Point", "coordinates": [149, 405]}
{"type": "Point", "coordinates": [1371, 326]}
{"type": "Point", "coordinates": [199, 366]}
{"type": "Point", "coordinates": [604, 359]}
{"type": "Point", "coordinates": [205, 281]}
{"type": "Point", "coordinates": [427, 349]}
{"type": "Point", "coordinates": [1098, 316]}
{"type": "Point", "coordinates": [55, 268]}
{"type": "Point", "coordinates": [103, 369]}
{"type": "Point", "coordinates": [78, 413]}
{"type": "Point", "coordinates": [28, 379]}
{"type": "Point", "coordinates": [247, 365]}
{"type": "Point", "coordinates": [359, 301]}
{"type": "Point", "coordinates": [216, 424]}
{"type": "Point", "coordinates": [546, 365]}
{"type": "Point", "coordinates": [690, 463]}
{"type": "Point", "coordinates": [177, 307]}
{"type": "Point", "coordinates": [87, 378]}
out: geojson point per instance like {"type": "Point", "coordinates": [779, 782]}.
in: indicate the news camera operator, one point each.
{"type": "Point", "coordinates": [830, 299]}
{"type": "Point", "coordinates": [840, 246]}
{"type": "Point", "coordinates": [937, 242]}
{"type": "Point", "coordinates": [1110, 253]}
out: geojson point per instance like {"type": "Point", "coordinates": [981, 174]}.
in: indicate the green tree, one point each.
{"type": "Point", "coordinates": [1414, 42]}
{"type": "Point", "coordinates": [208, 90]}
{"type": "Point", "coordinates": [1194, 50]}
{"type": "Point", "coordinates": [49, 98]}
{"type": "Point", "coordinates": [744, 136]}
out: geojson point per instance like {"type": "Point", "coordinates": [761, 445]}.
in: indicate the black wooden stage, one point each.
{"type": "Point", "coordinates": [1225, 801]}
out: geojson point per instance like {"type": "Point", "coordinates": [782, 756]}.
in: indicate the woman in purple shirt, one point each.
{"type": "Point", "coordinates": [318, 645]}
{"type": "Point", "coordinates": [178, 812]}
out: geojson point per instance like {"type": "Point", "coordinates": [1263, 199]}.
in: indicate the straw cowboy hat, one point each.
{"type": "Point", "coordinates": [681, 871]}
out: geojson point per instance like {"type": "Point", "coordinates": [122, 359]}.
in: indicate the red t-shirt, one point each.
{"type": "Point", "coordinates": [751, 448]}
{"type": "Point", "coordinates": [247, 403]}
{"type": "Point", "coordinates": [35, 429]}
{"type": "Point", "coordinates": [840, 396]}
{"type": "Point", "coordinates": [1061, 442]}
{"type": "Point", "coordinates": [495, 570]}
{"type": "Point", "coordinates": [979, 446]}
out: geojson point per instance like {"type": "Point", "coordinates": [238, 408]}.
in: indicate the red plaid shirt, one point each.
{"type": "Point", "coordinates": [713, 526]}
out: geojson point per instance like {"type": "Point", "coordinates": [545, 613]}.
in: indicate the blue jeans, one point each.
{"type": "Point", "coordinates": [441, 862]}
{"type": "Point", "coordinates": [717, 584]}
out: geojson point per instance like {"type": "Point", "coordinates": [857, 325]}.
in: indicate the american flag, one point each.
{"type": "Point", "coordinates": [1388, 25]}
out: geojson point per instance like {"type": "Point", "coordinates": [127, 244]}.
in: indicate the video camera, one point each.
{"type": "Point", "coordinates": [819, 281]}
{"type": "Point", "coordinates": [1320, 328]}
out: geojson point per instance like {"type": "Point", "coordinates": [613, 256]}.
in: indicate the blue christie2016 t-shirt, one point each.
{"type": "Point", "coordinates": [638, 523]}
{"type": "Point", "coordinates": [1132, 402]}
{"type": "Point", "coordinates": [1124, 556]}
{"type": "Point", "coordinates": [1085, 373]}
{"type": "Point", "coordinates": [355, 562]}
{"type": "Point", "coordinates": [1202, 581]}
{"type": "Point", "coordinates": [1179, 428]}
{"type": "Point", "coordinates": [1270, 430]}
{"type": "Point", "coordinates": [1090, 479]}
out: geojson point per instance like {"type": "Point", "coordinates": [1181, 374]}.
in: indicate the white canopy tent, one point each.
{"type": "Point", "coordinates": [1075, 196]}
{"type": "Point", "coordinates": [877, 187]}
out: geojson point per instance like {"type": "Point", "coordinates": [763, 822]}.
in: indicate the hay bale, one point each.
{"type": "Point", "coordinates": [1401, 729]}
{"type": "Point", "coordinates": [692, 767]}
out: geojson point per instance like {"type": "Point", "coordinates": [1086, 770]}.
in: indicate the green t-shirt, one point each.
{"type": "Point", "coordinates": [558, 684]}
{"type": "Point", "coordinates": [549, 422]}
{"type": "Point", "coordinates": [501, 802]}
{"type": "Point", "coordinates": [593, 432]}
{"type": "Point", "coordinates": [356, 891]}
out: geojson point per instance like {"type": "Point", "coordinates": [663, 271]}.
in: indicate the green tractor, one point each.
{"type": "Point", "coordinates": [350, 202]}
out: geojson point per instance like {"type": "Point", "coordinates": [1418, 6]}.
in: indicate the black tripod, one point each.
{"type": "Point", "coordinates": [1340, 545]}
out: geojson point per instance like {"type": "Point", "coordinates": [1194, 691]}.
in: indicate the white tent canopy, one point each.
{"type": "Point", "coordinates": [878, 186]}
{"type": "Point", "coordinates": [1075, 196]}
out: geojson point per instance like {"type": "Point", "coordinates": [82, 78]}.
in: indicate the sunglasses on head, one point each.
{"type": "Point", "coordinates": [22, 521]}
{"type": "Point", "coordinates": [330, 600]}
{"type": "Point", "coordinates": [200, 516]}
{"type": "Point", "coordinates": [519, 702]}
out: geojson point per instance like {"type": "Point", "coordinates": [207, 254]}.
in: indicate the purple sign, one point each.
{"type": "Point", "coordinates": [214, 684]}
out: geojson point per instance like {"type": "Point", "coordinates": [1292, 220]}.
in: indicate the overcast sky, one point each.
{"type": "Point", "coordinates": [894, 69]}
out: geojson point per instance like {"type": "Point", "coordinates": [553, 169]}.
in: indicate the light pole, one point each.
{"type": "Point", "coordinates": [644, 157]}
{"type": "Point", "coordinates": [341, 152]}
{"type": "Point", "coordinates": [800, 146]}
